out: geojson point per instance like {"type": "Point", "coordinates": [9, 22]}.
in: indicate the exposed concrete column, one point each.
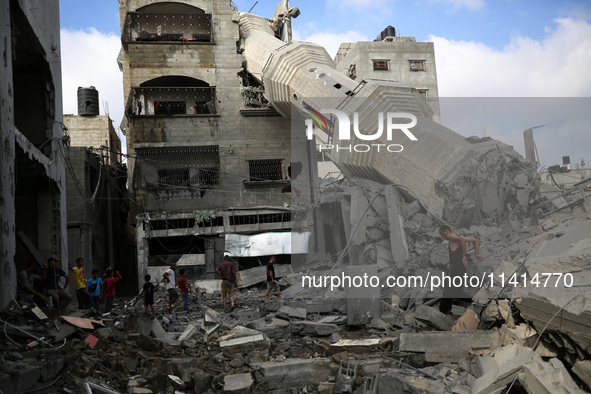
{"type": "Point", "coordinates": [530, 147]}
{"type": "Point", "coordinates": [142, 250]}
{"type": "Point", "coordinates": [7, 159]}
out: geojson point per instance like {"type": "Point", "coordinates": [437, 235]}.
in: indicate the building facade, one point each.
{"type": "Point", "coordinates": [98, 203]}
{"type": "Point", "coordinates": [393, 58]}
{"type": "Point", "coordinates": [207, 155]}
{"type": "Point", "coordinates": [32, 161]}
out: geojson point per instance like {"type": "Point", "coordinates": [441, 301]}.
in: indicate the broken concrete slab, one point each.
{"type": "Point", "coordinates": [190, 330]}
{"type": "Point", "coordinates": [434, 318]}
{"type": "Point", "coordinates": [239, 383]}
{"type": "Point", "coordinates": [295, 372]}
{"type": "Point", "coordinates": [312, 328]}
{"type": "Point", "coordinates": [542, 312]}
{"type": "Point", "coordinates": [509, 361]}
{"type": "Point", "coordinates": [290, 312]}
{"type": "Point", "coordinates": [359, 346]}
{"type": "Point", "coordinates": [242, 339]}
{"type": "Point", "coordinates": [582, 369]}
{"type": "Point", "coordinates": [157, 331]}
{"type": "Point", "coordinates": [550, 377]}
{"type": "Point", "coordinates": [277, 329]}
{"type": "Point", "coordinates": [449, 346]}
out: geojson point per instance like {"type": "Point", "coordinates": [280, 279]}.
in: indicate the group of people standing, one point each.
{"type": "Point", "coordinates": [93, 291]}
{"type": "Point", "coordinates": [42, 286]}
{"type": "Point", "coordinates": [227, 273]}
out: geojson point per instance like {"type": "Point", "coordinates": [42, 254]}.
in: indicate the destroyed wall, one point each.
{"type": "Point", "coordinates": [32, 165]}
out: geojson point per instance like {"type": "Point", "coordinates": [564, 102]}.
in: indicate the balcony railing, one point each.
{"type": "Point", "coordinates": [167, 27]}
{"type": "Point", "coordinates": [171, 102]}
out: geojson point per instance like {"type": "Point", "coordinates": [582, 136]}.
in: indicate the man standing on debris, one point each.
{"type": "Point", "coordinates": [227, 272]}
{"type": "Point", "coordinates": [51, 276]}
{"type": "Point", "coordinates": [457, 265]}
{"type": "Point", "coordinates": [80, 284]}
{"type": "Point", "coordinates": [173, 293]}
{"type": "Point", "coordinates": [271, 283]}
{"type": "Point", "coordinates": [26, 290]}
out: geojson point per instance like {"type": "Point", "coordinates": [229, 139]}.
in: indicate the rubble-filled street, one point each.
{"type": "Point", "coordinates": [315, 340]}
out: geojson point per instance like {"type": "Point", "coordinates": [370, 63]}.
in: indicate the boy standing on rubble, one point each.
{"type": "Point", "coordinates": [110, 289]}
{"type": "Point", "coordinates": [457, 265]}
{"type": "Point", "coordinates": [149, 294]}
{"type": "Point", "coordinates": [173, 293]}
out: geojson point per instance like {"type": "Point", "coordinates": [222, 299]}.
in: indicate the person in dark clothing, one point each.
{"type": "Point", "coordinates": [149, 294]}
{"type": "Point", "coordinates": [227, 272]}
{"type": "Point", "coordinates": [457, 265]}
{"type": "Point", "coordinates": [52, 276]}
{"type": "Point", "coordinates": [271, 283]}
{"type": "Point", "coordinates": [26, 289]}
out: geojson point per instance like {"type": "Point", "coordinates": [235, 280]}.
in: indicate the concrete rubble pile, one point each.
{"type": "Point", "coordinates": [532, 339]}
{"type": "Point", "coordinates": [365, 340]}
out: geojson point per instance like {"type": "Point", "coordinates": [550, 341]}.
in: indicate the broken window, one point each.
{"type": "Point", "coordinates": [381, 65]}
{"type": "Point", "coordinates": [417, 65]}
{"type": "Point", "coordinates": [423, 93]}
{"type": "Point", "coordinates": [265, 170]}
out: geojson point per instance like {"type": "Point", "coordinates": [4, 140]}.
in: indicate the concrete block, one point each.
{"type": "Point", "coordinates": [449, 346]}
{"type": "Point", "coordinates": [582, 369]}
{"type": "Point", "coordinates": [157, 330]}
{"type": "Point", "coordinates": [482, 365]}
{"type": "Point", "coordinates": [290, 312]}
{"type": "Point", "coordinates": [434, 318]}
{"type": "Point", "coordinates": [190, 330]}
{"type": "Point", "coordinates": [242, 339]}
{"type": "Point", "coordinates": [277, 329]}
{"type": "Point", "coordinates": [313, 328]}
{"type": "Point", "coordinates": [547, 378]}
{"type": "Point", "coordinates": [295, 372]}
{"type": "Point", "coordinates": [239, 383]}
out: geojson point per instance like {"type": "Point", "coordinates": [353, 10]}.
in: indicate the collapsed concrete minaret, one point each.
{"type": "Point", "coordinates": [471, 180]}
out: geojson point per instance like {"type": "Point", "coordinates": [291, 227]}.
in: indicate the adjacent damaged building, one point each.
{"type": "Point", "coordinates": [32, 162]}
{"type": "Point", "coordinates": [207, 155]}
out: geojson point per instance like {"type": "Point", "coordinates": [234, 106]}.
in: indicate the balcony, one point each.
{"type": "Point", "coordinates": [171, 101]}
{"type": "Point", "coordinates": [147, 27]}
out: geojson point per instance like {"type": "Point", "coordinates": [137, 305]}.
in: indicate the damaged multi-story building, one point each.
{"type": "Point", "coordinates": [207, 155]}
{"type": "Point", "coordinates": [98, 204]}
{"type": "Point", "coordinates": [32, 162]}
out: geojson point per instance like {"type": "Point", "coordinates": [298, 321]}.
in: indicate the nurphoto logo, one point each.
{"type": "Point", "coordinates": [344, 130]}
